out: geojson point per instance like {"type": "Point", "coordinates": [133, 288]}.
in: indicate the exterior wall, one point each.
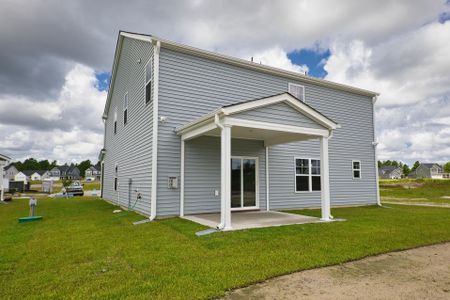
{"type": "Point", "coordinates": [190, 87]}
{"type": "Point", "coordinates": [280, 113]}
{"type": "Point", "coordinates": [202, 172]}
{"type": "Point", "coordinates": [36, 176]}
{"type": "Point", "coordinates": [20, 177]}
{"type": "Point", "coordinates": [11, 172]}
{"type": "Point", "coordinates": [423, 172]}
{"type": "Point", "coordinates": [131, 147]}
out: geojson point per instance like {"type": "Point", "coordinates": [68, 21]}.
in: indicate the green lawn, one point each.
{"type": "Point", "coordinates": [82, 250]}
{"type": "Point", "coordinates": [415, 190]}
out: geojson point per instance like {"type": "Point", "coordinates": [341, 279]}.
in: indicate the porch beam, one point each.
{"type": "Point", "coordinates": [225, 212]}
{"type": "Point", "coordinates": [275, 127]}
{"type": "Point", "coordinates": [198, 131]}
{"type": "Point", "coordinates": [325, 179]}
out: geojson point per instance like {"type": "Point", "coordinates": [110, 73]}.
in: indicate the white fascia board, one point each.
{"type": "Point", "coordinates": [275, 127]}
{"type": "Point", "coordinates": [198, 131]}
{"type": "Point", "coordinates": [198, 122]}
{"type": "Point", "coordinates": [293, 102]}
{"type": "Point", "coordinates": [4, 157]}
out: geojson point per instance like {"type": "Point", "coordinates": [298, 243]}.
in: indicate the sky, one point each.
{"type": "Point", "coordinates": [56, 58]}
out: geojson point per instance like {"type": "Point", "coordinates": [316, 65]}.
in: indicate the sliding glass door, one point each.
{"type": "Point", "coordinates": [244, 182]}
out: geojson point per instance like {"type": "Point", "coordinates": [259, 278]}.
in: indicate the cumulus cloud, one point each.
{"type": "Point", "coordinates": [277, 57]}
{"type": "Point", "coordinates": [411, 73]}
{"type": "Point", "coordinates": [68, 128]}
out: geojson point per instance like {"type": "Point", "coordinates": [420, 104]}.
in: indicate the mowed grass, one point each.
{"type": "Point", "coordinates": [416, 190]}
{"type": "Point", "coordinates": [82, 250]}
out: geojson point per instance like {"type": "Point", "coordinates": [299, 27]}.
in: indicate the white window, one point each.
{"type": "Point", "coordinates": [297, 91]}
{"type": "Point", "coordinates": [116, 172]}
{"type": "Point", "coordinates": [356, 169]}
{"type": "Point", "coordinates": [125, 108]}
{"type": "Point", "coordinates": [148, 81]}
{"type": "Point", "coordinates": [115, 120]}
{"type": "Point", "coordinates": [307, 175]}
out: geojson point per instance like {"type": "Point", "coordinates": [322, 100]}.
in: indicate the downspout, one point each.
{"type": "Point", "coordinates": [221, 225]}
{"type": "Point", "coordinates": [375, 144]}
{"type": "Point", "coordinates": [156, 50]}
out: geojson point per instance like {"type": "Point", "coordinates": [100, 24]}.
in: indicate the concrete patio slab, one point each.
{"type": "Point", "coordinates": [253, 219]}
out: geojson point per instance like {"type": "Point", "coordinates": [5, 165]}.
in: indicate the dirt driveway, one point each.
{"type": "Point", "coordinates": [422, 273]}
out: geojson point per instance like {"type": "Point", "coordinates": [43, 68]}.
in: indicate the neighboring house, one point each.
{"type": "Point", "coordinates": [429, 170]}
{"type": "Point", "coordinates": [4, 179]}
{"type": "Point", "coordinates": [198, 132]}
{"type": "Point", "coordinates": [73, 173]}
{"type": "Point", "coordinates": [11, 171]}
{"type": "Point", "coordinates": [412, 174]}
{"type": "Point", "coordinates": [390, 172]}
{"type": "Point", "coordinates": [21, 176]}
{"type": "Point", "coordinates": [93, 173]}
{"type": "Point", "coordinates": [40, 175]}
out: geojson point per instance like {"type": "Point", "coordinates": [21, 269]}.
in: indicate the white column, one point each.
{"type": "Point", "coordinates": [182, 180]}
{"type": "Point", "coordinates": [325, 179]}
{"type": "Point", "coordinates": [225, 192]}
{"type": "Point", "coordinates": [267, 180]}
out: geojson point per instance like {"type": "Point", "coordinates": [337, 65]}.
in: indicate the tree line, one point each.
{"type": "Point", "coordinates": [34, 164]}
{"type": "Point", "coordinates": [406, 169]}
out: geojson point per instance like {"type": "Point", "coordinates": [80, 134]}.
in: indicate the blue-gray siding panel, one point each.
{"type": "Point", "coordinates": [280, 113]}
{"type": "Point", "coordinates": [191, 87]}
{"type": "Point", "coordinates": [131, 147]}
{"type": "Point", "coordinates": [202, 171]}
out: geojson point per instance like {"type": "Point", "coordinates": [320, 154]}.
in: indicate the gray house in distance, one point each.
{"type": "Point", "coordinates": [430, 170]}
{"type": "Point", "coordinates": [390, 172]}
{"type": "Point", "coordinates": [195, 132]}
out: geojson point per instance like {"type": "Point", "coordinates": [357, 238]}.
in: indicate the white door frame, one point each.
{"type": "Point", "coordinates": [242, 182]}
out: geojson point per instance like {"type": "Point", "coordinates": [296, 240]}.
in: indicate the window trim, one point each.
{"type": "Point", "coordinates": [147, 82]}
{"type": "Point", "coordinates": [353, 169]}
{"type": "Point", "coordinates": [309, 175]}
{"type": "Point", "coordinates": [297, 85]}
{"type": "Point", "coordinates": [125, 109]}
{"type": "Point", "coordinates": [115, 121]}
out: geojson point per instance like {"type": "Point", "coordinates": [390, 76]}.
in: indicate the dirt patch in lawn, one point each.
{"type": "Point", "coordinates": [422, 273]}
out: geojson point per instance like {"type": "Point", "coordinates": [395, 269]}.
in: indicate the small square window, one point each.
{"type": "Point", "coordinates": [302, 166]}
{"type": "Point", "coordinates": [315, 183]}
{"type": "Point", "coordinates": [302, 183]}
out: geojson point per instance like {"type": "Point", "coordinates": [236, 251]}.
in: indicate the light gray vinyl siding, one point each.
{"type": "Point", "coordinates": [191, 87]}
{"type": "Point", "coordinates": [131, 147]}
{"type": "Point", "coordinates": [280, 113]}
{"type": "Point", "coordinates": [202, 171]}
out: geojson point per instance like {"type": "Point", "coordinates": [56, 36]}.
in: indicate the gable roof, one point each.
{"type": "Point", "coordinates": [10, 166]}
{"type": "Point", "coordinates": [234, 108]}
{"type": "Point", "coordinates": [430, 165]}
{"type": "Point", "coordinates": [28, 172]}
{"type": "Point", "coordinates": [224, 59]}
{"type": "Point", "coordinates": [4, 157]}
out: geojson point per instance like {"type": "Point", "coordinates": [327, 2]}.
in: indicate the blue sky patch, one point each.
{"type": "Point", "coordinates": [103, 80]}
{"type": "Point", "coordinates": [444, 17]}
{"type": "Point", "coordinates": [312, 58]}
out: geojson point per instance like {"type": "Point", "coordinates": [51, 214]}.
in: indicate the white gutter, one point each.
{"type": "Point", "coordinates": [156, 50]}
{"type": "Point", "coordinates": [375, 144]}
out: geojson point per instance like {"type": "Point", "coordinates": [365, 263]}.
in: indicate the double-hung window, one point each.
{"type": "Point", "coordinates": [116, 172]}
{"type": "Point", "coordinates": [307, 175]}
{"type": "Point", "coordinates": [356, 169]}
{"type": "Point", "coordinates": [148, 81]}
{"type": "Point", "coordinates": [125, 108]}
{"type": "Point", "coordinates": [297, 91]}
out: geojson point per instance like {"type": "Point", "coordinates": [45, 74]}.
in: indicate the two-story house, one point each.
{"type": "Point", "coordinates": [429, 170]}
{"type": "Point", "coordinates": [93, 173]}
{"type": "Point", "coordinates": [195, 132]}
{"type": "Point", "coordinates": [390, 172]}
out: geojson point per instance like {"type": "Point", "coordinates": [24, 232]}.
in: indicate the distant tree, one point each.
{"type": "Point", "coordinates": [44, 165]}
{"type": "Point", "coordinates": [406, 170]}
{"type": "Point", "coordinates": [83, 166]}
{"type": "Point", "coordinates": [28, 164]}
{"type": "Point", "coordinates": [53, 164]}
{"type": "Point", "coordinates": [447, 167]}
{"type": "Point", "coordinates": [415, 166]}
{"type": "Point", "coordinates": [394, 163]}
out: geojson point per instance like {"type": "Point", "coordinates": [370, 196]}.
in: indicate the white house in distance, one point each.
{"type": "Point", "coordinates": [21, 176]}
{"type": "Point", "coordinates": [4, 182]}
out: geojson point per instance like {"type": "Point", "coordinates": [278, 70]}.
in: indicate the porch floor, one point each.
{"type": "Point", "coordinates": [253, 219]}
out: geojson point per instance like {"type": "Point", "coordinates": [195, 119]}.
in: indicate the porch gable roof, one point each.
{"type": "Point", "coordinates": [235, 108]}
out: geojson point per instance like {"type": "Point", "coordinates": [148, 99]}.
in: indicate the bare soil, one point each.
{"type": "Point", "coordinates": [422, 273]}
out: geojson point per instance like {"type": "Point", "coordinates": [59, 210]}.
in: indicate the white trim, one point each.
{"type": "Point", "coordinates": [275, 127]}
{"type": "Point", "coordinates": [309, 175]}
{"type": "Point", "coordinates": [225, 190]}
{"type": "Point", "coordinates": [155, 90]}
{"type": "Point", "coordinates": [325, 180]}
{"type": "Point", "coordinates": [149, 62]}
{"type": "Point", "coordinates": [267, 180]}
{"type": "Point", "coordinates": [198, 131]}
{"type": "Point", "coordinates": [256, 206]}
{"type": "Point", "coordinates": [297, 85]}
{"type": "Point", "coordinates": [360, 169]}
{"type": "Point", "coordinates": [182, 179]}
{"type": "Point", "coordinates": [375, 144]}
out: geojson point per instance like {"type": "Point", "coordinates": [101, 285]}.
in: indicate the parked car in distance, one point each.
{"type": "Point", "coordinates": [76, 189]}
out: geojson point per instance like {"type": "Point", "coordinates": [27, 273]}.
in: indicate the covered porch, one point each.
{"type": "Point", "coordinates": [274, 120]}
